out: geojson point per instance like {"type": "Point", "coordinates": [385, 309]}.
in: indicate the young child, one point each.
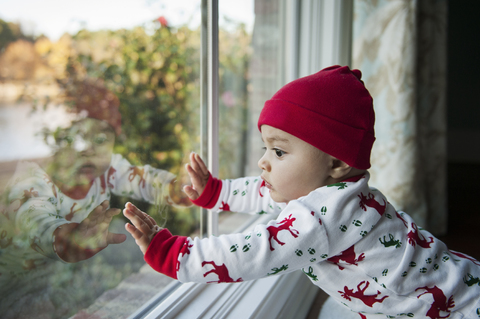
{"type": "Point", "coordinates": [344, 235]}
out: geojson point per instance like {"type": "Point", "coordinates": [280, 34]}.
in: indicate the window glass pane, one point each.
{"type": "Point", "coordinates": [98, 101]}
{"type": "Point", "coordinates": [249, 69]}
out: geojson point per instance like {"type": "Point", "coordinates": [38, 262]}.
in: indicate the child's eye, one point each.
{"type": "Point", "coordinates": [65, 141]}
{"type": "Point", "coordinates": [100, 138]}
{"type": "Point", "coordinates": [278, 153]}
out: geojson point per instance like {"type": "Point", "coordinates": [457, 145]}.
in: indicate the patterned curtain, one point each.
{"type": "Point", "coordinates": [400, 46]}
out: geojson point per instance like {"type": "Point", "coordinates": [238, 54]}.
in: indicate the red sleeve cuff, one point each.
{"type": "Point", "coordinates": [162, 253]}
{"type": "Point", "coordinates": [210, 194]}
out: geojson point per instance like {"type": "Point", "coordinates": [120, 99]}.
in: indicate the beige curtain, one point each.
{"type": "Point", "coordinates": [400, 46]}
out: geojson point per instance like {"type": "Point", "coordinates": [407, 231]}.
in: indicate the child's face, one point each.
{"type": "Point", "coordinates": [291, 167]}
{"type": "Point", "coordinates": [84, 152]}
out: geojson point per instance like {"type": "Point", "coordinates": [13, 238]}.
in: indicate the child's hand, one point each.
{"type": "Point", "coordinates": [79, 241]}
{"type": "Point", "coordinates": [198, 174]}
{"type": "Point", "coordinates": [93, 232]}
{"type": "Point", "coordinates": [144, 226]}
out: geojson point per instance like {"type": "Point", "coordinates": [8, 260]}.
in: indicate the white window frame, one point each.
{"type": "Point", "coordinates": [317, 34]}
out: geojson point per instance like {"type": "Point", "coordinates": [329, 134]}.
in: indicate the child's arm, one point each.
{"type": "Point", "coordinates": [144, 183]}
{"type": "Point", "coordinates": [241, 195]}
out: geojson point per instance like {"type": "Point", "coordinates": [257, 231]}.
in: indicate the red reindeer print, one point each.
{"type": "Point", "coordinates": [103, 184]}
{"type": "Point", "coordinates": [4, 212]}
{"type": "Point", "coordinates": [348, 256]}
{"type": "Point", "coordinates": [4, 240]}
{"type": "Point", "coordinates": [401, 218]}
{"type": "Point", "coordinates": [47, 179]}
{"type": "Point", "coordinates": [29, 264]}
{"type": "Point", "coordinates": [362, 315]}
{"type": "Point", "coordinates": [368, 300]}
{"type": "Point", "coordinates": [221, 271]}
{"type": "Point", "coordinates": [370, 201]}
{"type": "Point", "coordinates": [184, 251]}
{"type": "Point", "coordinates": [285, 224]}
{"type": "Point", "coordinates": [224, 206]}
{"type": "Point", "coordinates": [34, 244]}
{"type": "Point", "coordinates": [261, 186]}
{"type": "Point", "coordinates": [186, 248]}
{"type": "Point", "coordinates": [414, 238]}
{"type": "Point", "coordinates": [110, 176]}
{"type": "Point", "coordinates": [473, 260]}
{"type": "Point", "coordinates": [69, 216]}
{"type": "Point", "coordinates": [440, 302]}
{"type": "Point", "coordinates": [136, 171]}
{"type": "Point", "coordinates": [27, 194]}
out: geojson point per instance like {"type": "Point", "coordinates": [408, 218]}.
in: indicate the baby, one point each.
{"type": "Point", "coordinates": [345, 236]}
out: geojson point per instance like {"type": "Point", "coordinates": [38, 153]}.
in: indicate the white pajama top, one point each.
{"type": "Point", "coordinates": [345, 237]}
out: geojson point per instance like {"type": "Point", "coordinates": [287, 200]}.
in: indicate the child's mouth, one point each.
{"type": "Point", "coordinates": [267, 184]}
{"type": "Point", "coordinates": [87, 169]}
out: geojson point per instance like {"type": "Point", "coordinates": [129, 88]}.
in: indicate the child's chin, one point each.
{"type": "Point", "coordinates": [277, 197]}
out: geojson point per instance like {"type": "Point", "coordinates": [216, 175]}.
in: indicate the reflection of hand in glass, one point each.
{"type": "Point", "coordinates": [78, 241]}
{"type": "Point", "coordinates": [177, 196]}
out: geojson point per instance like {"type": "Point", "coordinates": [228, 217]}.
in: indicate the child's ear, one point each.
{"type": "Point", "coordinates": [339, 169]}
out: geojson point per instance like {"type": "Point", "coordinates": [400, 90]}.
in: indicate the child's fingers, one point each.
{"type": "Point", "coordinates": [201, 164]}
{"type": "Point", "coordinates": [191, 193]}
{"type": "Point", "coordinates": [198, 183]}
{"type": "Point", "coordinates": [138, 220]}
{"type": "Point", "coordinates": [147, 219]}
{"type": "Point", "coordinates": [142, 215]}
{"type": "Point", "coordinates": [191, 172]}
{"type": "Point", "coordinates": [150, 218]}
{"type": "Point", "coordinates": [105, 204]}
{"type": "Point", "coordinates": [112, 212]}
{"type": "Point", "coordinates": [140, 238]}
{"type": "Point", "coordinates": [198, 165]}
{"type": "Point", "coordinates": [113, 238]}
{"type": "Point", "coordinates": [194, 163]}
{"type": "Point", "coordinates": [96, 213]}
{"type": "Point", "coordinates": [136, 234]}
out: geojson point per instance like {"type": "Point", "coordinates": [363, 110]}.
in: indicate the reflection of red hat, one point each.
{"type": "Point", "coordinates": [331, 110]}
{"type": "Point", "coordinates": [97, 102]}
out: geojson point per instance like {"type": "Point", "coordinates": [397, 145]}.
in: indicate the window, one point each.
{"type": "Point", "coordinates": [98, 101]}
{"type": "Point", "coordinates": [107, 105]}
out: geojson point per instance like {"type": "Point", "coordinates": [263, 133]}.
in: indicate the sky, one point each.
{"type": "Point", "coordinates": [55, 17]}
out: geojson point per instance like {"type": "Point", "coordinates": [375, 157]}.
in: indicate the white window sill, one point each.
{"type": "Point", "coordinates": [286, 296]}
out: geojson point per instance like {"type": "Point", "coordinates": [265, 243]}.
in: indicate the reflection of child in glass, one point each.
{"type": "Point", "coordinates": [344, 235]}
{"type": "Point", "coordinates": [63, 211]}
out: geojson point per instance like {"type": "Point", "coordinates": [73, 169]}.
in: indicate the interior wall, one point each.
{"type": "Point", "coordinates": [463, 102]}
{"type": "Point", "coordinates": [463, 127]}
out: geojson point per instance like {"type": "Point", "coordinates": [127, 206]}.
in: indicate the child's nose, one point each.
{"type": "Point", "coordinates": [82, 145]}
{"type": "Point", "coordinates": [263, 164]}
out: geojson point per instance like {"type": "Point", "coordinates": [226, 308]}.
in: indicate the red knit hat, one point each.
{"type": "Point", "coordinates": [331, 110]}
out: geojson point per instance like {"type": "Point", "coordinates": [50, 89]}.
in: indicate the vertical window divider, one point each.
{"type": "Point", "coordinates": [209, 103]}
